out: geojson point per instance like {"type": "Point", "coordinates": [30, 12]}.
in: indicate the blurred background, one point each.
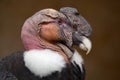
{"type": "Point", "coordinates": [103, 62]}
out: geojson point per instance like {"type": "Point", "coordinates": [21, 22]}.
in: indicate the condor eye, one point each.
{"type": "Point", "coordinates": [60, 22]}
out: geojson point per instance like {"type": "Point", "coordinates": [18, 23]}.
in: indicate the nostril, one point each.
{"type": "Point", "coordinates": [76, 13]}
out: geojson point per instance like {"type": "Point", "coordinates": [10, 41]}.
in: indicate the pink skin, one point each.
{"type": "Point", "coordinates": [29, 35]}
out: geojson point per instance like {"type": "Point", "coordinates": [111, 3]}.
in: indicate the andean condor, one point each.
{"type": "Point", "coordinates": [48, 37]}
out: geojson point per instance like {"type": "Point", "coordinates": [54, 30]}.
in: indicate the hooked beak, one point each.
{"type": "Point", "coordinates": [83, 42]}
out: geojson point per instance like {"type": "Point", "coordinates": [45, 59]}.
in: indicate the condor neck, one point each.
{"type": "Point", "coordinates": [35, 42]}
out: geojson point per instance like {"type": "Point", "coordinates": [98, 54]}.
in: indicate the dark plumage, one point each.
{"type": "Point", "coordinates": [13, 68]}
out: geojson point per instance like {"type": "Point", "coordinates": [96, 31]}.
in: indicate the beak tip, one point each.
{"type": "Point", "coordinates": [88, 52]}
{"type": "Point", "coordinates": [86, 45]}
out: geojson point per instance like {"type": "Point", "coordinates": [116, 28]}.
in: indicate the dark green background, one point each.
{"type": "Point", "coordinates": [102, 63]}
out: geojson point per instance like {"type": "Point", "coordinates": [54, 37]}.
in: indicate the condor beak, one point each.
{"type": "Point", "coordinates": [83, 42]}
